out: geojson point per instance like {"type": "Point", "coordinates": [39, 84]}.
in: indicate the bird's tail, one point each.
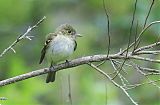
{"type": "Point", "coordinates": [51, 77]}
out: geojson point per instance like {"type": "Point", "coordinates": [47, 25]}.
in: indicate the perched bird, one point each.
{"type": "Point", "coordinates": [58, 47]}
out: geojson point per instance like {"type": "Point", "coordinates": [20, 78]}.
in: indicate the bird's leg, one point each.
{"type": "Point", "coordinates": [51, 68]}
{"type": "Point", "coordinates": [67, 62]}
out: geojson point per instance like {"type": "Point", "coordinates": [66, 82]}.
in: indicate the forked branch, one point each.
{"type": "Point", "coordinates": [21, 37]}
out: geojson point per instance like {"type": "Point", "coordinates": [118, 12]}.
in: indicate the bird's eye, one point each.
{"type": "Point", "coordinates": [69, 31]}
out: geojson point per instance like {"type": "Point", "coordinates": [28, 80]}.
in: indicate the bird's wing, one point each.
{"type": "Point", "coordinates": [49, 37]}
{"type": "Point", "coordinates": [75, 46]}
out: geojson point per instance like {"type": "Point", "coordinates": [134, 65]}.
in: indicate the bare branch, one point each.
{"type": "Point", "coordinates": [142, 73]}
{"type": "Point", "coordinates": [147, 74]}
{"type": "Point", "coordinates": [129, 40]}
{"type": "Point", "coordinates": [145, 59]}
{"type": "Point", "coordinates": [141, 33]}
{"type": "Point", "coordinates": [147, 47]}
{"type": "Point", "coordinates": [148, 52]}
{"type": "Point", "coordinates": [135, 37]}
{"type": "Point", "coordinates": [108, 27]}
{"type": "Point", "coordinates": [137, 85]}
{"type": "Point", "coordinates": [132, 23]}
{"type": "Point", "coordinates": [110, 79]}
{"type": "Point", "coordinates": [23, 36]}
{"type": "Point", "coordinates": [123, 79]}
{"type": "Point", "coordinates": [145, 22]}
{"type": "Point", "coordinates": [73, 63]}
{"type": "Point", "coordinates": [23, 77]}
{"type": "Point", "coordinates": [149, 70]}
{"type": "Point", "coordinates": [150, 8]}
{"type": "Point", "coordinates": [117, 65]}
{"type": "Point", "coordinates": [116, 61]}
{"type": "Point", "coordinates": [120, 68]}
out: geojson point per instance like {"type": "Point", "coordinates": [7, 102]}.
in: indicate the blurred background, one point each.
{"type": "Point", "coordinates": [88, 87]}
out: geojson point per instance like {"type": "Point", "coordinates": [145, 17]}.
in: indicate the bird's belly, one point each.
{"type": "Point", "coordinates": [60, 51]}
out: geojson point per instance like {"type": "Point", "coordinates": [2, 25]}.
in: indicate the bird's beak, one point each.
{"type": "Point", "coordinates": [78, 35]}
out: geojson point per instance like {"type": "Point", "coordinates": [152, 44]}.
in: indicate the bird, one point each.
{"type": "Point", "coordinates": [59, 46]}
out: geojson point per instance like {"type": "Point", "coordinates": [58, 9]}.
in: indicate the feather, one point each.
{"type": "Point", "coordinates": [48, 40]}
{"type": "Point", "coordinates": [75, 46]}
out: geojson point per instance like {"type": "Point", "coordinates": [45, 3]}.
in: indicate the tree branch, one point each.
{"type": "Point", "coordinates": [73, 63]}
{"type": "Point", "coordinates": [20, 37]}
{"type": "Point", "coordinates": [111, 80]}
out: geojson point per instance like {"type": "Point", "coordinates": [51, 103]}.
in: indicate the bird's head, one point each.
{"type": "Point", "coordinates": [67, 30]}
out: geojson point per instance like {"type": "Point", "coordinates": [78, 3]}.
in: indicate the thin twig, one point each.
{"type": "Point", "coordinates": [128, 87]}
{"type": "Point", "coordinates": [147, 47]}
{"type": "Point", "coordinates": [103, 62]}
{"type": "Point", "coordinates": [129, 40]}
{"type": "Point", "coordinates": [119, 69]}
{"type": "Point", "coordinates": [135, 37]}
{"type": "Point", "coordinates": [132, 23]}
{"type": "Point", "coordinates": [145, 59]}
{"type": "Point", "coordinates": [119, 75]}
{"type": "Point", "coordinates": [108, 27]}
{"type": "Point", "coordinates": [140, 34]}
{"type": "Point", "coordinates": [149, 70]}
{"type": "Point", "coordinates": [23, 36]}
{"type": "Point", "coordinates": [130, 32]}
{"type": "Point", "coordinates": [142, 73]}
{"type": "Point", "coordinates": [150, 8]}
{"type": "Point", "coordinates": [152, 82]}
{"type": "Point", "coordinates": [148, 52]}
{"type": "Point", "coordinates": [118, 64]}
{"type": "Point", "coordinates": [116, 84]}
{"type": "Point", "coordinates": [116, 61]}
{"type": "Point", "coordinates": [147, 74]}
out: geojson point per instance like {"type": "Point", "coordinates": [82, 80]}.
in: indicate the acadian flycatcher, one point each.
{"type": "Point", "coordinates": [58, 47]}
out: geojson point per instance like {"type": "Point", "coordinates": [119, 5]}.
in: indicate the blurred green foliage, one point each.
{"type": "Point", "coordinates": [88, 17]}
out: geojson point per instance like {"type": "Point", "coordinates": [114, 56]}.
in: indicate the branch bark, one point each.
{"type": "Point", "coordinates": [72, 63]}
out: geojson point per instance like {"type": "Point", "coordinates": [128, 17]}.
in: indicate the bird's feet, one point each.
{"type": "Point", "coordinates": [51, 68]}
{"type": "Point", "coordinates": [67, 62]}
